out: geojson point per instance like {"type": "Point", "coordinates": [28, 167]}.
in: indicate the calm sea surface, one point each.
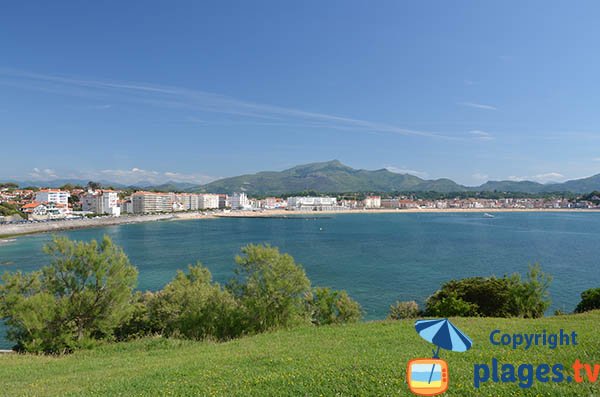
{"type": "Point", "coordinates": [377, 258]}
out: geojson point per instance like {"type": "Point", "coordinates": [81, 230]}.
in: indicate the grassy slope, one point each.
{"type": "Point", "coordinates": [362, 359]}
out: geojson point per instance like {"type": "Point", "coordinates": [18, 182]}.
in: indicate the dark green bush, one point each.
{"type": "Point", "coordinates": [590, 300]}
{"type": "Point", "coordinates": [492, 296]}
{"type": "Point", "coordinates": [328, 306]}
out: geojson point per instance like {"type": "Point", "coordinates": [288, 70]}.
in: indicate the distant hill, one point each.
{"type": "Point", "coordinates": [330, 176]}
{"type": "Point", "coordinates": [335, 177]}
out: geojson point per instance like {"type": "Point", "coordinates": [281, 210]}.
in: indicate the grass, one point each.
{"type": "Point", "coordinates": [366, 359]}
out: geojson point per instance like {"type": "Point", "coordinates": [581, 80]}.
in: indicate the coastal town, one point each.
{"type": "Point", "coordinates": [55, 204]}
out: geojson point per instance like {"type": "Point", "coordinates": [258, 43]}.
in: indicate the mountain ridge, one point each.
{"type": "Point", "coordinates": [335, 177]}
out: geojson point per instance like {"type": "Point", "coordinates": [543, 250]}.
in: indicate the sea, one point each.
{"type": "Point", "coordinates": [378, 258]}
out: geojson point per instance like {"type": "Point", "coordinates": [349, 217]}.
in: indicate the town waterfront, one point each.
{"type": "Point", "coordinates": [377, 258]}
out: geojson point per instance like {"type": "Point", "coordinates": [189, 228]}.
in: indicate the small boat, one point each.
{"type": "Point", "coordinates": [486, 215]}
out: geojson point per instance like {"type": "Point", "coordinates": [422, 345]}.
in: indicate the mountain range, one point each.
{"type": "Point", "coordinates": [335, 177]}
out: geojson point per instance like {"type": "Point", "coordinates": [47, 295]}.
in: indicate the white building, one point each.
{"type": "Point", "coordinates": [239, 201]}
{"type": "Point", "coordinates": [101, 202]}
{"type": "Point", "coordinates": [208, 201]}
{"type": "Point", "coordinates": [52, 196]}
{"type": "Point", "coordinates": [150, 202]}
{"type": "Point", "coordinates": [312, 203]}
{"type": "Point", "coordinates": [372, 202]}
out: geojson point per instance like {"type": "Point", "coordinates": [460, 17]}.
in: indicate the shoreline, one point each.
{"type": "Point", "coordinates": [285, 213]}
{"type": "Point", "coordinates": [14, 230]}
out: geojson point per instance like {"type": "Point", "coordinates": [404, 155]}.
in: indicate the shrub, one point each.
{"type": "Point", "coordinates": [194, 307]}
{"type": "Point", "coordinates": [530, 298]}
{"type": "Point", "coordinates": [475, 296]}
{"type": "Point", "coordinates": [327, 306]}
{"type": "Point", "coordinates": [401, 310]}
{"type": "Point", "coordinates": [83, 295]}
{"type": "Point", "coordinates": [451, 305]}
{"type": "Point", "coordinates": [271, 288]}
{"type": "Point", "coordinates": [493, 297]}
{"type": "Point", "coordinates": [590, 300]}
{"type": "Point", "coordinates": [139, 323]}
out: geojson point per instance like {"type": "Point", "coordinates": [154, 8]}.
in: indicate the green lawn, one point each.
{"type": "Point", "coordinates": [364, 359]}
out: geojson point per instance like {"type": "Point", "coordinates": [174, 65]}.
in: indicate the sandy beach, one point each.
{"type": "Point", "coordinates": [7, 230]}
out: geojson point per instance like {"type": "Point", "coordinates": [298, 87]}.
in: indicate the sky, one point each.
{"type": "Point", "coordinates": [195, 91]}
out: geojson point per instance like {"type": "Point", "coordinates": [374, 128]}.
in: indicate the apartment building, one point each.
{"type": "Point", "coordinates": [101, 202]}
{"type": "Point", "coordinates": [239, 201]}
{"type": "Point", "coordinates": [56, 196]}
{"type": "Point", "coordinates": [372, 202]}
{"type": "Point", "coordinates": [208, 201]}
{"type": "Point", "coordinates": [312, 203]}
{"type": "Point", "coordinates": [224, 201]}
{"type": "Point", "coordinates": [150, 202]}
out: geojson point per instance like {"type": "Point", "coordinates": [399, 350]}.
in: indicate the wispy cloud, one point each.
{"type": "Point", "coordinates": [45, 173]}
{"type": "Point", "coordinates": [405, 170]}
{"type": "Point", "coordinates": [123, 176]}
{"type": "Point", "coordinates": [480, 177]}
{"type": "Point", "coordinates": [542, 178]}
{"type": "Point", "coordinates": [478, 105]}
{"type": "Point", "coordinates": [200, 101]}
{"type": "Point", "coordinates": [481, 135]}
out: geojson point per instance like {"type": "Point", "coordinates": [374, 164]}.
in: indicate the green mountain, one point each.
{"type": "Point", "coordinates": [511, 186]}
{"type": "Point", "coordinates": [583, 185]}
{"type": "Point", "coordinates": [335, 177]}
{"type": "Point", "coordinates": [330, 176]}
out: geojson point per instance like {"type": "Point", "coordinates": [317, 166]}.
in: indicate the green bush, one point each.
{"type": "Point", "coordinates": [401, 310]}
{"type": "Point", "coordinates": [139, 323]}
{"type": "Point", "coordinates": [270, 287]}
{"type": "Point", "coordinates": [451, 305]}
{"type": "Point", "coordinates": [82, 296]}
{"type": "Point", "coordinates": [328, 306]}
{"type": "Point", "coordinates": [493, 297]}
{"type": "Point", "coordinates": [590, 300]}
{"type": "Point", "coordinates": [86, 295]}
{"type": "Point", "coordinates": [530, 298]}
{"type": "Point", "coordinates": [193, 307]}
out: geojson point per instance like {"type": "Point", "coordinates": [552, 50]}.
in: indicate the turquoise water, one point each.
{"type": "Point", "coordinates": [377, 258]}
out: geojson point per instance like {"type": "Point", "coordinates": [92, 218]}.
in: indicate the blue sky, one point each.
{"type": "Point", "coordinates": [192, 91]}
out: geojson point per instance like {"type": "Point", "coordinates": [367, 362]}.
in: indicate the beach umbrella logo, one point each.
{"type": "Point", "coordinates": [430, 376]}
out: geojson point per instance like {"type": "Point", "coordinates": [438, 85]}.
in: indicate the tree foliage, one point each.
{"type": "Point", "coordinates": [83, 295]}
{"type": "Point", "coordinates": [193, 307]}
{"type": "Point", "coordinates": [328, 306]}
{"type": "Point", "coordinates": [270, 287]}
{"type": "Point", "coordinates": [590, 300]}
{"type": "Point", "coordinates": [493, 297]}
{"type": "Point", "coordinates": [402, 310]}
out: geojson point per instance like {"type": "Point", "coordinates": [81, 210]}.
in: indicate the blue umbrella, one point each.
{"type": "Point", "coordinates": [444, 334]}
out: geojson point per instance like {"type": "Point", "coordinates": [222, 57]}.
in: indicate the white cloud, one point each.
{"type": "Point", "coordinates": [45, 173]}
{"type": "Point", "coordinates": [481, 135]}
{"type": "Point", "coordinates": [541, 178]}
{"type": "Point", "coordinates": [126, 177]}
{"type": "Point", "coordinates": [405, 170]}
{"type": "Point", "coordinates": [596, 159]}
{"type": "Point", "coordinates": [480, 177]}
{"type": "Point", "coordinates": [200, 101]}
{"type": "Point", "coordinates": [136, 175]}
{"type": "Point", "coordinates": [478, 105]}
